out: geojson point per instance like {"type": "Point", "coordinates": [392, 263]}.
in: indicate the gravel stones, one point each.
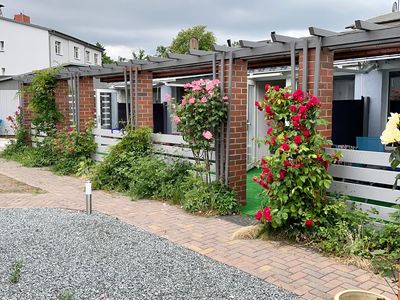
{"type": "Point", "coordinates": [99, 257]}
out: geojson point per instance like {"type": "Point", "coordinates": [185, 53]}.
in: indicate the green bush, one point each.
{"type": "Point", "coordinates": [199, 196]}
{"type": "Point", "coordinates": [114, 172]}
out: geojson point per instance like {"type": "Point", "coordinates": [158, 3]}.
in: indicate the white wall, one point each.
{"type": "Point", "coordinates": [67, 52]}
{"type": "Point", "coordinates": [370, 85]}
{"type": "Point", "coordinates": [26, 48]}
{"type": "Point", "coordinates": [9, 102]}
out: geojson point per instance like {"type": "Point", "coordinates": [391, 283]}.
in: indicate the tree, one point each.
{"type": "Point", "coordinates": [140, 54]}
{"type": "Point", "coordinates": [180, 44]}
{"type": "Point", "coordinates": [104, 57]}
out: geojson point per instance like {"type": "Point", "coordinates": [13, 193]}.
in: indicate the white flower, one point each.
{"type": "Point", "coordinates": [391, 134]}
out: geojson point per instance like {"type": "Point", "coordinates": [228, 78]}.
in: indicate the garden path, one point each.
{"type": "Point", "coordinates": [300, 270]}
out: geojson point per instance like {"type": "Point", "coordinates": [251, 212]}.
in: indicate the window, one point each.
{"type": "Point", "coordinates": [394, 92]}
{"type": "Point", "coordinates": [1, 45]}
{"type": "Point", "coordinates": [58, 47]}
{"type": "Point", "coordinates": [76, 53]}
{"type": "Point", "coordinates": [3, 71]}
{"type": "Point", "coordinates": [96, 59]}
{"type": "Point", "coordinates": [87, 58]}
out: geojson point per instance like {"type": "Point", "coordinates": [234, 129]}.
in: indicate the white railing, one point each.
{"type": "Point", "coordinates": [166, 146]}
{"type": "Point", "coordinates": [366, 175]}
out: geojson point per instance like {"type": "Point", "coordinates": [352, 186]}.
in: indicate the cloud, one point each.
{"type": "Point", "coordinates": [130, 24]}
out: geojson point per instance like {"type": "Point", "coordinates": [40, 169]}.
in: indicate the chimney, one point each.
{"type": "Point", "coordinates": [22, 18]}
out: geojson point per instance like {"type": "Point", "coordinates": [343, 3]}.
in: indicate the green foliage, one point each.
{"type": "Point", "coordinates": [139, 54]}
{"type": "Point", "coordinates": [20, 132]}
{"type": "Point", "coordinates": [105, 59]}
{"type": "Point", "coordinates": [199, 116]}
{"type": "Point", "coordinates": [42, 103]}
{"type": "Point", "coordinates": [66, 295]}
{"type": "Point", "coordinates": [295, 175]}
{"type": "Point", "coordinates": [114, 172]}
{"type": "Point", "coordinates": [202, 197]}
{"type": "Point", "coordinates": [16, 270]}
{"type": "Point", "coordinates": [206, 39]}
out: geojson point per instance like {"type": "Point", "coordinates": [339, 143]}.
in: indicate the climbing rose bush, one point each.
{"type": "Point", "coordinates": [199, 115]}
{"type": "Point", "coordinates": [294, 176]}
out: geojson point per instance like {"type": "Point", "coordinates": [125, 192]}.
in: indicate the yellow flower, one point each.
{"type": "Point", "coordinates": [394, 120]}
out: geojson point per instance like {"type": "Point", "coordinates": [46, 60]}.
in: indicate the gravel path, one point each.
{"type": "Point", "coordinates": [99, 257]}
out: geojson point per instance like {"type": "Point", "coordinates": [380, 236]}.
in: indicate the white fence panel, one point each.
{"type": "Point", "coordinates": [366, 175]}
{"type": "Point", "coordinates": [168, 147]}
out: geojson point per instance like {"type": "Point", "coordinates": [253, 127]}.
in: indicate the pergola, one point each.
{"type": "Point", "coordinates": [311, 54]}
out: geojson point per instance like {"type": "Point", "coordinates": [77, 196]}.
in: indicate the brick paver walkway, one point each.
{"type": "Point", "coordinates": [296, 269]}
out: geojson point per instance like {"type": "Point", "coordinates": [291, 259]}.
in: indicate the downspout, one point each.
{"type": "Point", "coordinates": [136, 98]}
{"type": "Point", "coordinates": [217, 141]}
{"type": "Point", "coordinates": [293, 64]}
{"type": "Point", "coordinates": [78, 102]}
{"type": "Point", "coordinates": [305, 64]}
{"type": "Point", "coordinates": [317, 65]}
{"type": "Point", "coordinates": [228, 124]}
{"type": "Point", "coordinates": [131, 93]}
{"type": "Point", "coordinates": [126, 96]}
{"type": "Point", "coordinates": [222, 134]}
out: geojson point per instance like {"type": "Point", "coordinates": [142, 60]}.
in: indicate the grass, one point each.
{"type": "Point", "coordinates": [253, 191]}
{"type": "Point", "coordinates": [16, 269]}
{"type": "Point", "coordinates": [66, 296]}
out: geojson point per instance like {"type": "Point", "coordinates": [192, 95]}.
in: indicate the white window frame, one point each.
{"type": "Point", "coordinates": [87, 56]}
{"type": "Point", "coordinates": [96, 58]}
{"type": "Point", "coordinates": [57, 47]}
{"type": "Point", "coordinates": [2, 46]}
{"type": "Point", "coordinates": [77, 53]}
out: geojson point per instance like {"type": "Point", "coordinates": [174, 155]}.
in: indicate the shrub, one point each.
{"type": "Point", "coordinates": [200, 196]}
{"type": "Point", "coordinates": [294, 176]}
{"type": "Point", "coordinates": [114, 172]}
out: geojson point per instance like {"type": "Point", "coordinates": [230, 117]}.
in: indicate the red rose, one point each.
{"type": "Point", "coordinates": [309, 223]}
{"type": "Point", "coordinates": [267, 86]}
{"type": "Point", "coordinates": [298, 95]}
{"type": "Point", "coordinates": [282, 174]}
{"type": "Point", "coordinates": [302, 109]}
{"type": "Point", "coordinates": [297, 139]}
{"type": "Point", "coordinates": [287, 163]}
{"type": "Point", "coordinates": [8, 118]}
{"type": "Point", "coordinates": [269, 130]}
{"type": "Point", "coordinates": [70, 129]}
{"type": "Point", "coordinates": [276, 88]}
{"type": "Point", "coordinates": [306, 133]}
{"type": "Point", "coordinates": [287, 95]}
{"type": "Point", "coordinates": [257, 104]}
{"type": "Point", "coordinates": [285, 147]}
{"type": "Point", "coordinates": [258, 215]}
{"type": "Point", "coordinates": [267, 214]}
{"type": "Point", "coordinates": [296, 118]}
{"type": "Point", "coordinates": [268, 109]}
{"type": "Point", "coordinates": [265, 97]}
{"type": "Point", "coordinates": [293, 108]}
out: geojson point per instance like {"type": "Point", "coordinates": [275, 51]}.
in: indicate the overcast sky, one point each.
{"type": "Point", "coordinates": [126, 25]}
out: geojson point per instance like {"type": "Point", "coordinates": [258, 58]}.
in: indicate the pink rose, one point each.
{"type": "Point", "coordinates": [176, 119]}
{"type": "Point", "coordinates": [192, 100]}
{"type": "Point", "coordinates": [207, 135]}
{"type": "Point", "coordinates": [167, 97]}
{"type": "Point", "coordinates": [225, 98]}
{"type": "Point", "coordinates": [183, 101]}
{"type": "Point", "coordinates": [203, 100]}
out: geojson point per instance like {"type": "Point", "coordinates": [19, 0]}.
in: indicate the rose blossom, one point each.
{"type": "Point", "coordinates": [192, 100]}
{"type": "Point", "coordinates": [203, 100]}
{"type": "Point", "coordinates": [207, 135]}
{"type": "Point", "coordinates": [258, 215]}
{"type": "Point", "coordinates": [176, 119]}
{"type": "Point", "coordinates": [167, 97]}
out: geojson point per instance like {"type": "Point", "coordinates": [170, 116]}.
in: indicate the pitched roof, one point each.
{"type": "Point", "coordinates": [54, 32]}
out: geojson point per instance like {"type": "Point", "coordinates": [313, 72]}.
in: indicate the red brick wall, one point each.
{"type": "Point", "coordinates": [145, 96]}
{"type": "Point", "coordinates": [237, 141]}
{"type": "Point", "coordinates": [62, 102]}
{"type": "Point", "coordinates": [86, 104]}
{"type": "Point", "coordinates": [325, 91]}
{"type": "Point", "coordinates": [27, 114]}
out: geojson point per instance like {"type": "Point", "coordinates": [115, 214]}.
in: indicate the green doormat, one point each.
{"type": "Point", "coordinates": [252, 194]}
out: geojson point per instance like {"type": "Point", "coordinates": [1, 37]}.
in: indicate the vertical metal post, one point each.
{"type": "Point", "coordinates": [126, 96]}
{"type": "Point", "coordinates": [88, 196]}
{"type": "Point", "coordinates": [78, 102]}
{"type": "Point", "coordinates": [305, 64]}
{"type": "Point", "coordinates": [222, 147]}
{"type": "Point", "coordinates": [131, 93]}
{"type": "Point", "coordinates": [317, 65]}
{"type": "Point", "coordinates": [136, 98]}
{"type": "Point", "coordinates": [293, 64]}
{"type": "Point", "coordinates": [228, 124]}
{"type": "Point", "coordinates": [214, 65]}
